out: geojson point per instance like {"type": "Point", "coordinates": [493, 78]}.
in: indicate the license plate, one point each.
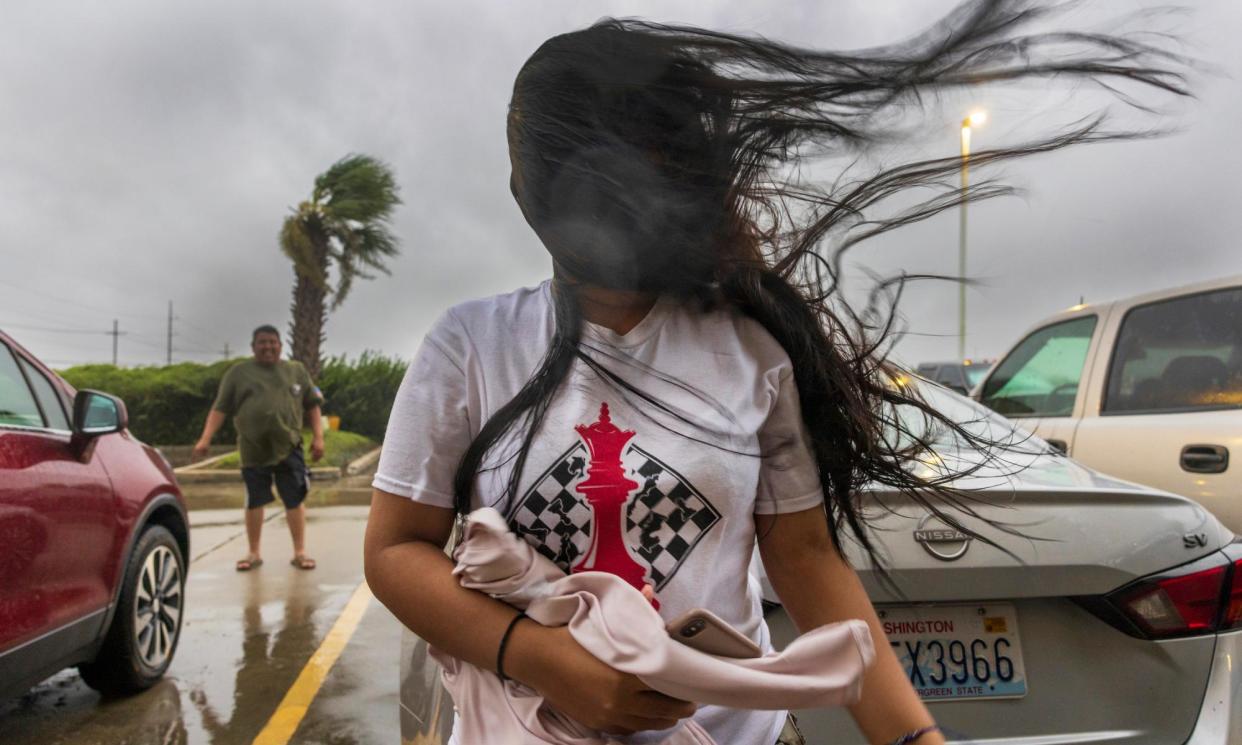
{"type": "Point", "coordinates": [958, 651]}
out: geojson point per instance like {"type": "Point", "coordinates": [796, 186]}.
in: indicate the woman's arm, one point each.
{"type": "Point", "coordinates": [816, 586]}
{"type": "Point", "coordinates": [409, 572]}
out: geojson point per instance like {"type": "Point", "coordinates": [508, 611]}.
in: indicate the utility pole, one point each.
{"type": "Point", "coordinates": [115, 333]}
{"type": "Point", "coordinates": [975, 119]}
{"type": "Point", "coordinates": [170, 333]}
{"type": "Point", "coordinates": [226, 350]}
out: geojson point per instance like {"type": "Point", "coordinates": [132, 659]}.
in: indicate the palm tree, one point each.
{"type": "Point", "coordinates": [345, 222]}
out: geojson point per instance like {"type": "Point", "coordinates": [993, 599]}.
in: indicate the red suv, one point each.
{"type": "Point", "coordinates": [94, 538]}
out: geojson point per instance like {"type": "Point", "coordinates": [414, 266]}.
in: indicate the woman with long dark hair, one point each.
{"type": "Point", "coordinates": [694, 312]}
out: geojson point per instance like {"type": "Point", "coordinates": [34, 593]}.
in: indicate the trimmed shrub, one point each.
{"type": "Point", "coordinates": [168, 405]}
{"type": "Point", "coordinates": [361, 392]}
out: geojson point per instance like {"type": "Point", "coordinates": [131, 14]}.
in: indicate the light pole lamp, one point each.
{"type": "Point", "coordinates": [975, 119]}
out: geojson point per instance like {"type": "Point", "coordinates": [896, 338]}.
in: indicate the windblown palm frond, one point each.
{"type": "Point", "coordinates": [346, 223]}
{"type": "Point", "coordinates": [358, 188]}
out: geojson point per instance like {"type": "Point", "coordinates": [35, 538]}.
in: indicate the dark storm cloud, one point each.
{"type": "Point", "coordinates": [149, 150]}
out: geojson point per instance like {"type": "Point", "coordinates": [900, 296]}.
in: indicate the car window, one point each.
{"type": "Point", "coordinates": [949, 375]}
{"type": "Point", "coordinates": [1183, 354]}
{"type": "Point", "coordinates": [1040, 376]}
{"type": "Point", "coordinates": [975, 373]}
{"type": "Point", "coordinates": [53, 409]}
{"type": "Point", "coordinates": [17, 403]}
{"type": "Point", "coordinates": [979, 421]}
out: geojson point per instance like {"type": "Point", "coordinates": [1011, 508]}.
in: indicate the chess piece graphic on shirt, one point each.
{"type": "Point", "coordinates": [664, 518]}
{"type": "Point", "coordinates": [607, 490]}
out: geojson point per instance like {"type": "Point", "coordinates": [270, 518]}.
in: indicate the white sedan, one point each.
{"type": "Point", "coordinates": [1116, 621]}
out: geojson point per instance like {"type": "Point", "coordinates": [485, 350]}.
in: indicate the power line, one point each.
{"type": "Point", "coordinates": [96, 309]}
{"type": "Point", "coordinates": [196, 326]}
{"type": "Point", "coordinates": [50, 330]}
{"type": "Point", "coordinates": [42, 316]}
{"type": "Point", "coordinates": [201, 346]}
{"type": "Point", "coordinates": [198, 341]}
{"type": "Point", "coordinates": [65, 300]}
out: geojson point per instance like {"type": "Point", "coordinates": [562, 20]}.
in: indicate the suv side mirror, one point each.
{"type": "Point", "coordinates": [96, 413]}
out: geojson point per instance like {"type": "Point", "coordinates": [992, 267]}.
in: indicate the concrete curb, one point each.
{"type": "Point", "coordinates": [203, 473]}
{"type": "Point", "coordinates": [209, 476]}
{"type": "Point", "coordinates": [325, 473]}
{"type": "Point", "coordinates": [205, 463]}
{"type": "Point", "coordinates": [232, 476]}
{"type": "Point", "coordinates": [361, 463]}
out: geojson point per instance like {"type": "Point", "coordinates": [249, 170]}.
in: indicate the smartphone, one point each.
{"type": "Point", "coordinates": [703, 630]}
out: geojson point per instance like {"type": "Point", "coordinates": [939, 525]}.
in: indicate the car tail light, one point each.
{"type": "Point", "coordinates": [1231, 617]}
{"type": "Point", "coordinates": [1180, 605]}
{"type": "Point", "coordinates": [1202, 597]}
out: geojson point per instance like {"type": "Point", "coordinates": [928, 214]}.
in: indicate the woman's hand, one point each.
{"type": "Point", "coordinates": [579, 685]}
{"type": "Point", "coordinates": [817, 586]}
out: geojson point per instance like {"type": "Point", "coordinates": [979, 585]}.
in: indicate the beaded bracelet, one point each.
{"type": "Point", "coordinates": [504, 642]}
{"type": "Point", "coordinates": [910, 737]}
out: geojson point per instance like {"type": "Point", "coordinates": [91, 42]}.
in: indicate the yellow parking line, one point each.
{"type": "Point", "coordinates": [284, 722]}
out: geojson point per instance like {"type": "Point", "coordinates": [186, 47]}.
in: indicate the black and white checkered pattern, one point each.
{"type": "Point", "coordinates": [551, 516]}
{"type": "Point", "coordinates": [666, 516]}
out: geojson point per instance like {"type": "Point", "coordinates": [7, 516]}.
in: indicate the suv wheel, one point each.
{"type": "Point", "coordinates": [147, 623]}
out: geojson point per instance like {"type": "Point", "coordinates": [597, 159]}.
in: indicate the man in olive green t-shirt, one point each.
{"type": "Point", "coordinates": [267, 398]}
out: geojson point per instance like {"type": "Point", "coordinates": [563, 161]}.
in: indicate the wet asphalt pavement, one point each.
{"type": "Point", "coordinates": [245, 639]}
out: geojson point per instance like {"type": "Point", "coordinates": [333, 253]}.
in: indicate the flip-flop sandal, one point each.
{"type": "Point", "coordinates": [303, 562]}
{"type": "Point", "coordinates": [245, 565]}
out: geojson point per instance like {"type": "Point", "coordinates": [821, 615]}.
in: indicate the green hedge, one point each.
{"type": "Point", "coordinates": [361, 392]}
{"type": "Point", "coordinates": [167, 405]}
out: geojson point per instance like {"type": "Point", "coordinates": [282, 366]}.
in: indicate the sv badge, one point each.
{"type": "Point", "coordinates": [1194, 540]}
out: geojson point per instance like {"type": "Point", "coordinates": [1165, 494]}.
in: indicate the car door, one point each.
{"type": "Point", "coordinates": [1169, 409]}
{"type": "Point", "coordinates": [57, 514]}
{"type": "Point", "coordinates": [1038, 382]}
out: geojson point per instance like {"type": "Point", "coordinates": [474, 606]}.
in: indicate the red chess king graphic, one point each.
{"type": "Point", "coordinates": [607, 490]}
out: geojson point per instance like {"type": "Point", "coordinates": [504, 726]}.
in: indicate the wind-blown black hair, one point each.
{"type": "Point", "coordinates": [659, 158]}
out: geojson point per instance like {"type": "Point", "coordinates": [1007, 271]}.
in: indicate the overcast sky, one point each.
{"type": "Point", "coordinates": [149, 151]}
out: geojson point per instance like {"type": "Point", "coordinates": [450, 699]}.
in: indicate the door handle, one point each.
{"type": "Point", "coordinates": [1058, 445]}
{"type": "Point", "coordinates": [1205, 458]}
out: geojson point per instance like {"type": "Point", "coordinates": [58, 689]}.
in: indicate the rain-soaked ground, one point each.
{"type": "Point", "coordinates": [245, 639]}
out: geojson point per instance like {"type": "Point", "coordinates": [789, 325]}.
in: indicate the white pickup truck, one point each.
{"type": "Point", "coordinates": [1148, 389]}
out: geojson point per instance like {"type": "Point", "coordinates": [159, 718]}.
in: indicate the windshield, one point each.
{"type": "Point", "coordinates": [975, 373]}
{"type": "Point", "coordinates": [975, 418]}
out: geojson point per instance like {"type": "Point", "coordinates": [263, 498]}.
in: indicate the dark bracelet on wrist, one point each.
{"type": "Point", "coordinates": [910, 737]}
{"type": "Point", "coordinates": [504, 642]}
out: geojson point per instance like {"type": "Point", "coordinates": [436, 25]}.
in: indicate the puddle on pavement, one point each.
{"type": "Point", "coordinates": [245, 640]}
{"type": "Point", "coordinates": [280, 628]}
{"type": "Point", "coordinates": [62, 703]}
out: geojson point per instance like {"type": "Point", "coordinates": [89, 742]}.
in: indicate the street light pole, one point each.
{"type": "Point", "coordinates": [975, 119]}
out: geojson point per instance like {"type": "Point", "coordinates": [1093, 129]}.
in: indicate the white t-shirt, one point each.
{"type": "Point", "coordinates": [689, 518]}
